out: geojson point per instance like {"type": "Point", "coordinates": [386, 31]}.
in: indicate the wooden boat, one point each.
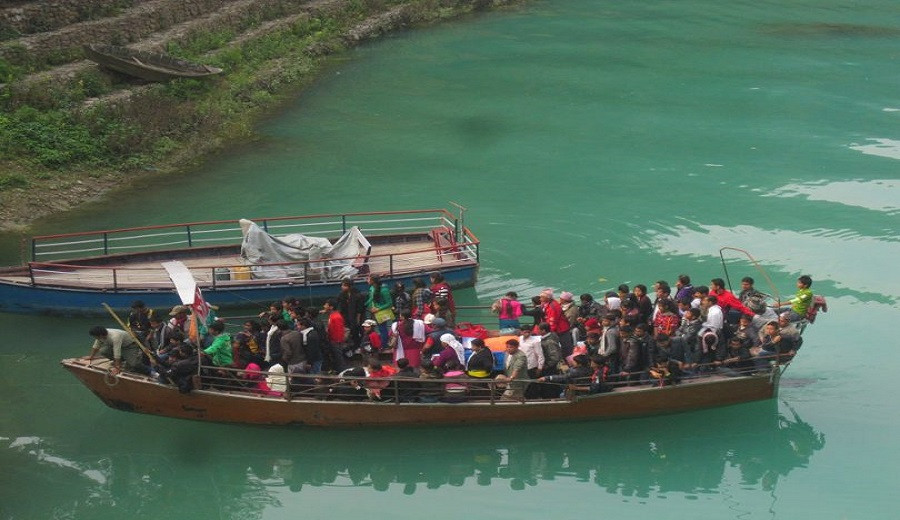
{"type": "Point", "coordinates": [313, 407]}
{"type": "Point", "coordinates": [152, 66]}
{"type": "Point", "coordinates": [74, 273]}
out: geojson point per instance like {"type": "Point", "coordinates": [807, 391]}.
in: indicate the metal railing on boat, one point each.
{"type": "Point", "coordinates": [454, 390]}
{"type": "Point", "coordinates": [228, 232]}
{"type": "Point", "coordinates": [464, 251]}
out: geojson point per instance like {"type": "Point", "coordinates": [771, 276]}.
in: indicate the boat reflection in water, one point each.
{"type": "Point", "coordinates": [630, 458]}
{"type": "Point", "coordinates": [256, 468]}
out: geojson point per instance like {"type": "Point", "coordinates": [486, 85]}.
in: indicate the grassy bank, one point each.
{"type": "Point", "coordinates": [64, 141]}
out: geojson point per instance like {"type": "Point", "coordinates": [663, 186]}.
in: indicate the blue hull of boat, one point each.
{"type": "Point", "coordinates": [28, 299]}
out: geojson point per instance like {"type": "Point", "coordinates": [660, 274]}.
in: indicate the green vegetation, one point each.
{"type": "Point", "coordinates": [49, 129]}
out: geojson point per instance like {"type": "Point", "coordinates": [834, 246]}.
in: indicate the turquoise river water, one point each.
{"type": "Point", "coordinates": [594, 143]}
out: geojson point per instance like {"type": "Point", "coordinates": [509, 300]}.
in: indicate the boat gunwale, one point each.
{"type": "Point", "coordinates": [99, 366]}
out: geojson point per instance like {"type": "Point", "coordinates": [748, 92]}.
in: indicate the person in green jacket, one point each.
{"type": "Point", "coordinates": [220, 349]}
{"type": "Point", "coordinates": [379, 305]}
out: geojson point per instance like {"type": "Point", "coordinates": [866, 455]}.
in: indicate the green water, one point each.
{"type": "Point", "coordinates": [594, 143]}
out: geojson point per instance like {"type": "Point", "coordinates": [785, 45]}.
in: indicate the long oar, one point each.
{"type": "Point", "coordinates": [125, 327]}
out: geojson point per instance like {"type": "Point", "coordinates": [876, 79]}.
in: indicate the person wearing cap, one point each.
{"type": "Point", "coordinates": [119, 346]}
{"type": "Point", "coordinates": [569, 309]}
{"type": "Point", "coordinates": [433, 339]}
{"type": "Point", "coordinates": [370, 339]}
{"type": "Point", "coordinates": [179, 320]}
{"type": "Point", "coordinates": [553, 316]}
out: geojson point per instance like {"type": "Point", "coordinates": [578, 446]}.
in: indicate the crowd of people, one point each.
{"type": "Point", "coordinates": [388, 337]}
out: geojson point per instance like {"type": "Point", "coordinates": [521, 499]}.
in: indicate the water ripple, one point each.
{"type": "Point", "coordinates": [843, 258]}
{"type": "Point", "coordinates": [881, 147]}
{"type": "Point", "coordinates": [876, 195]}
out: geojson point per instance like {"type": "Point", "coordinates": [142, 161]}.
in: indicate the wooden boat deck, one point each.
{"type": "Point", "coordinates": [405, 257]}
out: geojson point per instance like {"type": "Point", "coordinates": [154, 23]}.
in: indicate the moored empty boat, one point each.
{"type": "Point", "coordinates": [238, 263]}
{"type": "Point", "coordinates": [152, 66]}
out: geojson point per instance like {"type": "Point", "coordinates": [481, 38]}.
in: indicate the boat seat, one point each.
{"type": "Point", "coordinates": [445, 243]}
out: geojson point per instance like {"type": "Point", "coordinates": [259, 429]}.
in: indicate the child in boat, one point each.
{"type": "Point", "coordinates": [371, 340]}
{"type": "Point", "coordinates": [378, 371]}
{"type": "Point", "coordinates": [799, 304]}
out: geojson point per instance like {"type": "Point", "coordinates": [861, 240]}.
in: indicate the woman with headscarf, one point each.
{"type": "Point", "coordinates": [452, 349]}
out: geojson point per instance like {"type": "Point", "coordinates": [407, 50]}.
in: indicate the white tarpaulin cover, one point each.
{"type": "Point", "coordinates": [259, 247]}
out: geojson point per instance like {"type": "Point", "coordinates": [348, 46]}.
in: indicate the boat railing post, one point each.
{"type": "Point", "coordinates": [212, 272]}
{"type": "Point", "coordinates": [33, 250]}
{"type": "Point", "coordinates": [391, 265]}
{"type": "Point", "coordinates": [105, 243]}
{"type": "Point", "coordinates": [288, 393]}
{"type": "Point", "coordinates": [493, 389]}
{"type": "Point", "coordinates": [343, 224]}
{"type": "Point", "coordinates": [396, 391]}
{"type": "Point", "coordinates": [189, 238]}
{"type": "Point", "coordinates": [31, 273]}
{"type": "Point", "coordinates": [265, 224]}
{"type": "Point", "coordinates": [115, 280]}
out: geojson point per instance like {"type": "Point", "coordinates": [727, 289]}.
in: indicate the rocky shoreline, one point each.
{"type": "Point", "coordinates": [47, 79]}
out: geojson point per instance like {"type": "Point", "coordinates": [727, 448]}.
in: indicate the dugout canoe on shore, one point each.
{"type": "Point", "coordinates": [238, 263]}
{"type": "Point", "coordinates": [151, 66]}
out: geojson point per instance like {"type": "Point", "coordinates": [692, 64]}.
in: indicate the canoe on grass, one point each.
{"type": "Point", "coordinates": [152, 66]}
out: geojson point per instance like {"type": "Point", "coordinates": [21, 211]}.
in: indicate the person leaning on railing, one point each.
{"type": "Point", "coordinates": [119, 346]}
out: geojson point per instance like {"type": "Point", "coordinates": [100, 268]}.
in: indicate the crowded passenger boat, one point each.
{"type": "Point", "coordinates": [626, 352]}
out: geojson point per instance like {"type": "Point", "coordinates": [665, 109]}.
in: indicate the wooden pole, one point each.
{"type": "Point", "coordinates": [127, 329]}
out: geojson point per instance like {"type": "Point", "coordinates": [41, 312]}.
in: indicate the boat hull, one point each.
{"type": "Point", "coordinates": [138, 394]}
{"type": "Point", "coordinates": [66, 301]}
{"type": "Point", "coordinates": [151, 66]}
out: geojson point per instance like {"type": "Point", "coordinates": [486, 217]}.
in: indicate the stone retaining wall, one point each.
{"type": "Point", "coordinates": [131, 26]}
{"type": "Point", "coordinates": [36, 17]}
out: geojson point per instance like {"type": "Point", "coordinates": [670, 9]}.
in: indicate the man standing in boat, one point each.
{"type": "Point", "coordinates": [516, 373]}
{"type": "Point", "coordinates": [119, 346]}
